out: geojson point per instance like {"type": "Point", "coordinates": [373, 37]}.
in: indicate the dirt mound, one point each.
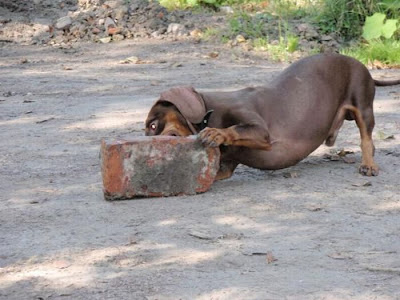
{"type": "Point", "coordinates": [65, 22]}
{"type": "Point", "coordinates": [62, 23]}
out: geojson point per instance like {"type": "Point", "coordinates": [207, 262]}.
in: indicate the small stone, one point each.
{"type": "Point", "coordinates": [114, 30]}
{"type": "Point", "coordinates": [349, 159]}
{"type": "Point", "coordinates": [105, 40]}
{"type": "Point", "coordinates": [96, 30]}
{"type": "Point", "coordinates": [155, 34]}
{"type": "Point", "coordinates": [196, 33]}
{"type": "Point", "coordinates": [118, 37]}
{"type": "Point", "coordinates": [326, 38]}
{"type": "Point", "coordinates": [113, 3]}
{"type": "Point", "coordinates": [226, 9]}
{"type": "Point", "coordinates": [240, 38]}
{"type": "Point", "coordinates": [63, 23]}
{"type": "Point", "coordinates": [213, 54]}
{"type": "Point", "coordinates": [176, 29]}
{"type": "Point", "coordinates": [109, 23]}
{"type": "Point", "coordinates": [120, 12]}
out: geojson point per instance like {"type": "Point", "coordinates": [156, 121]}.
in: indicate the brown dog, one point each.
{"type": "Point", "coordinates": [277, 125]}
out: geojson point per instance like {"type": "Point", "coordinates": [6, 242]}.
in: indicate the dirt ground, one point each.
{"type": "Point", "coordinates": [318, 230]}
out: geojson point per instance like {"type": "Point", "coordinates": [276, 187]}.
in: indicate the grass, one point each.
{"type": "Point", "coordinates": [386, 52]}
{"type": "Point", "coordinates": [264, 24]}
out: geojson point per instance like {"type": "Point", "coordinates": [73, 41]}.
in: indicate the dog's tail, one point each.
{"type": "Point", "coordinates": [386, 83]}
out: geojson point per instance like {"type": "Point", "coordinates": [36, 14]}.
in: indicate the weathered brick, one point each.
{"type": "Point", "coordinates": [156, 167]}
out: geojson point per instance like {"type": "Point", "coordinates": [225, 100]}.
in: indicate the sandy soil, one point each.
{"type": "Point", "coordinates": [318, 230]}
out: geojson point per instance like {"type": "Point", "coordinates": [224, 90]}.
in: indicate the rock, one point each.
{"type": "Point", "coordinates": [176, 29]}
{"type": "Point", "coordinates": [308, 31]}
{"type": "Point", "coordinates": [196, 33]}
{"type": "Point", "coordinates": [96, 30]}
{"type": "Point", "coordinates": [118, 37]}
{"type": "Point", "coordinates": [155, 34]}
{"type": "Point", "coordinates": [113, 30]}
{"type": "Point", "coordinates": [63, 23]}
{"type": "Point", "coordinates": [105, 40]}
{"type": "Point", "coordinates": [109, 23]}
{"type": "Point", "coordinates": [226, 9]}
{"type": "Point", "coordinates": [120, 12]}
{"type": "Point", "coordinates": [326, 37]}
{"type": "Point", "coordinates": [113, 3]}
{"type": "Point", "coordinates": [240, 38]}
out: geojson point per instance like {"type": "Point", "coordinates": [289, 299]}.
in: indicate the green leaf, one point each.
{"type": "Point", "coordinates": [390, 4]}
{"type": "Point", "coordinates": [372, 28]}
{"type": "Point", "coordinates": [192, 3]}
{"type": "Point", "coordinates": [292, 44]}
{"type": "Point", "coordinates": [389, 28]}
{"type": "Point", "coordinates": [210, 1]}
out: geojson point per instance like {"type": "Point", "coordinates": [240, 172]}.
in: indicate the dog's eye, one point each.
{"type": "Point", "coordinates": [153, 126]}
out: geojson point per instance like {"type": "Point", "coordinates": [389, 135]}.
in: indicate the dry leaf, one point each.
{"type": "Point", "coordinates": [213, 54]}
{"type": "Point", "coordinates": [343, 152]}
{"type": "Point", "coordinates": [290, 175]}
{"type": "Point", "coordinates": [338, 255]}
{"type": "Point", "coordinates": [271, 258]}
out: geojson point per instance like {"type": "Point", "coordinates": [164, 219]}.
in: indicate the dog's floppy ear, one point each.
{"type": "Point", "coordinates": [189, 103]}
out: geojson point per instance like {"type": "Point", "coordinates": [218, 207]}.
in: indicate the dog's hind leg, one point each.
{"type": "Point", "coordinates": [337, 123]}
{"type": "Point", "coordinates": [226, 170]}
{"type": "Point", "coordinates": [365, 123]}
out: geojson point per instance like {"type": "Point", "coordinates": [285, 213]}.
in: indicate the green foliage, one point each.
{"type": "Point", "coordinates": [280, 51]}
{"type": "Point", "coordinates": [246, 25]}
{"type": "Point", "coordinates": [343, 18]}
{"type": "Point", "coordinates": [174, 4]}
{"type": "Point", "coordinates": [264, 24]}
{"type": "Point", "coordinates": [380, 46]}
{"type": "Point", "coordinates": [210, 33]}
{"type": "Point", "coordinates": [390, 7]}
{"type": "Point", "coordinates": [375, 27]}
{"type": "Point", "coordinates": [261, 44]}
{"type": "Point", "coordinates": [292, 43]}
{"type": "Point", "coordinates": [386, 51]}
{"type": "Point", "coordinates": [346, 18]}
{"type": "Point", "coordinates": [184, 4]}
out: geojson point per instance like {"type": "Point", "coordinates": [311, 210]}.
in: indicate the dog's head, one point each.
{"type": "Point", "coordinates": [180, 111]}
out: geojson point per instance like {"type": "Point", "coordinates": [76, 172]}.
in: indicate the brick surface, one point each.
{"type": "Point", "coordinates": [156, 167]}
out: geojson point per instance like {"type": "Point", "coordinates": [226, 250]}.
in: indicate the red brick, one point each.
{"type": "Point", "coordinates": [156, 167]}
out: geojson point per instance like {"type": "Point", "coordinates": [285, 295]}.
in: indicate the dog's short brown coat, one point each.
{"type": "Point", "coordinates": [277, 125]}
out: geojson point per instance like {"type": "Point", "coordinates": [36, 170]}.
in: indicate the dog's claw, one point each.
{"type": "Point", "coordinates": [210, 137]}
{"type": "Point", "coordinates": [369, 170]}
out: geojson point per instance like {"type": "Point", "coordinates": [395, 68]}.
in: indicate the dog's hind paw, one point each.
{"type": "Point", "coordinates": [369, 170]}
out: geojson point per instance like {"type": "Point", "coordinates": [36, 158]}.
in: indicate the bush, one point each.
{"type": "Point", "coordinates": [346, 18]}
{"type": "Point", "coordinates": [386, 52]}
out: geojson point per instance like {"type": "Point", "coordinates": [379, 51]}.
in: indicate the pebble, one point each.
{"type": "Point", "coordinates": [176, 29]}
{"type": "Point", "coordinates": [63, 22]}
{"type": "Point", "coordinates": [105, 40]}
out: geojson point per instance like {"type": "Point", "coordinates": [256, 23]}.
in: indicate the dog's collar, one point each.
{"type": "Point", "coordinates": [203, 124]}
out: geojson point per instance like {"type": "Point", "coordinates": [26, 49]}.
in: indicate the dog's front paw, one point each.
{"type": "Point", "coordinates": [369, 170]}
{"type": "Point", "coordinates": [214, 137]}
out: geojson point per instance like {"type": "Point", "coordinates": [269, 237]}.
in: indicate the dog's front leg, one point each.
{"type": "Point", "coordinates": [247, 129]}
{"type": "Point", "coordinates": [250, 136]}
